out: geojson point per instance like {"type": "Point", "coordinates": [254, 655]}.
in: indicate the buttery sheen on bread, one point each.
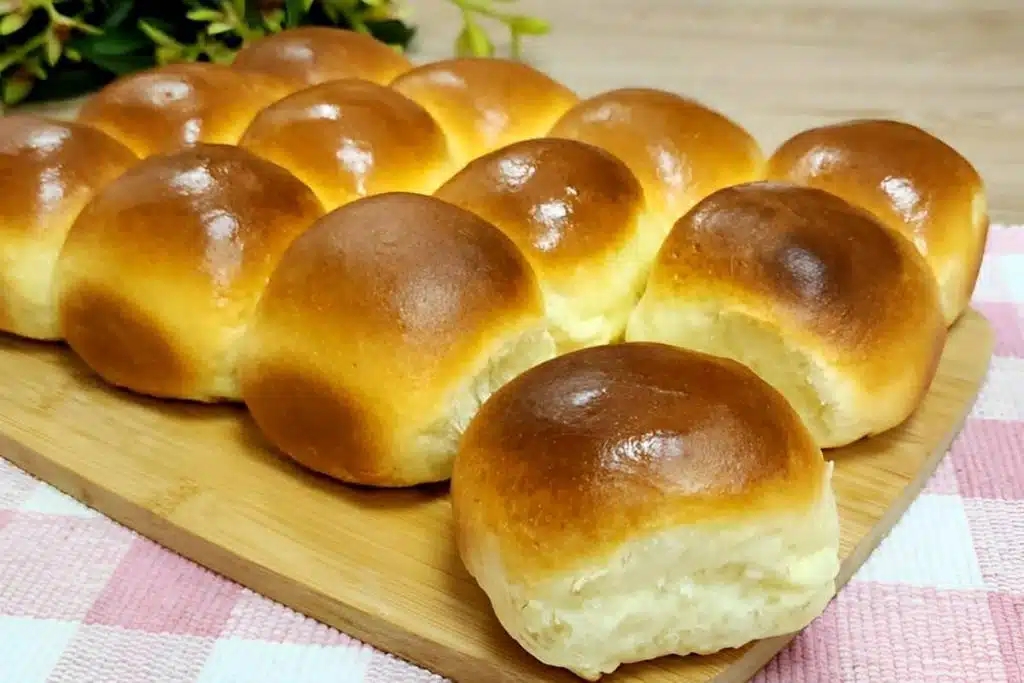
{"type": "Point", "coordinates": [308, 55]}
{"type": "Point", "coordinates": [382, 330]}
{"type": "Point", "coordinates": [629, 501]}
{"type": "Point", "coordinates": [681, 150]}
{"type": "Point", "coordinates": [175, 106]}
{"type": "Point", "coordinates": [49, 170]}
{"type": "Point", "coordinates": [486, 103]}
{"type": "Point", "coordinates": [912, 181]}
{"type": "Point", "coordinates": [580, 217]}
{"type": "Point", "coordinates": [833, 309]}
{"type": "Point", "coordinates": [352, 138]}
{"type": "Point", "coordinates": [162, 269]}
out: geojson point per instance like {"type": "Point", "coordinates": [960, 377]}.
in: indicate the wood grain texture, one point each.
{"type": "Point", "coordinates": [381, 565]}
{"type": "Point", "coordinates": [955, 67]}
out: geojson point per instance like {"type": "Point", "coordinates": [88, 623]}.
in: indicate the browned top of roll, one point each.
{"type": "Point", "coordinates": [48, 170]}
{"type": "Point", "coordinates": [352, 138]}
{"type": "Point", "coordinates": [174, 106]}
{"type": "Point", "coordinates": [807, 258]}
{"type": "Point", "coordinates": [913, 181]}
{"type": "Point", "coordinates": [486, 103]}
{"type": "Point", "coordinates": [562, 201]}
{"type": "Point", "coordinates": [680, 149]}
{"type": "Point", "coordinates": [170, 257]}
{"type": "Point", "coordinates": [584, 452]}
{"type": "Point", "coordinates": [308, 55]}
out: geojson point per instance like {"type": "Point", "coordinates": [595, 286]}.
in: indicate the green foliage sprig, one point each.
{"type": "Point", "coordinates": [58, 49]}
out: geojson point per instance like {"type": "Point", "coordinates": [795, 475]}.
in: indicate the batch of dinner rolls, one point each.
{"type": "Point", "coordinates": [623, 332]}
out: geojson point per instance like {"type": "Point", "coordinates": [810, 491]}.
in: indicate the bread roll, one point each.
{"type": "Point", "coordinates": [832, 308]}
{"type": "Point", "coordinates": [681, 150]}
{"type": "Point", "coordinates": [486, 103]}
{"type": "Point", "coordinates": [580, 217]}
{"type": "Point", "coordinates": [308, 55]}
{"type": "Point", "coordinates": [625, 502]}
{"type": "Point", "coordinates": [912, 181]}
{"type": "Point", "coordinates": [352, 138]}
{"type": "Point", "coordinates": [49, 169]}
{"type": "Point", "coordinates": [382, 330]}
{"type": "Point", "coordinates": [175, 106]}
{"type": "Point", "coordinates": [161, 271]}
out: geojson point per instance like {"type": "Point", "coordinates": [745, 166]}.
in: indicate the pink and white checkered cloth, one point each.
{"type": "Point", "coordinates": [83, 600]}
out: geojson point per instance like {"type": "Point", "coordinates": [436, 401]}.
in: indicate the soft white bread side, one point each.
{"type": "Point", "coordinates": [382, 330]}
{"type": "Point", "coordinates": [160, 272]}
{"type": "Point", "coordinates": [912, 181]}
{"type": "Point", "coordinates": [486, 103]}
{"type": "Point", "coordinates": [309, 55]}
{"type": "Point", "coordinates": [629, 501]}
{"type": "Point", "coordinates": [352, 138]}
{"type": "Point", "coordinates": [579, 216]}
{"type": "Point", "coordinates": [833, 309]}
{"type": "Point", "coordinates": [175, 106]}
{"type": "Point", "coordinates": [679, 149]}
{"type": "Point", "coordinates": [48, 169]}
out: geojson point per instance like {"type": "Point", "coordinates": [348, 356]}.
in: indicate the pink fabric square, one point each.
{"type": "Point", "coordinates": [159, 592]}
{"type": "Point", "coordinates": [106, 654]}
{"type": "Point", "coordinates": [15, 486]}
{"type": "Point", "coordinates": [63, 564]}
{"type": "Point", "coordinates": [916, 635]}
{"type": "Point", "coordinates": [1006, 240]}
{"type": "Point", "coordinates": [813, 656]}
{"type": "Point", "coordinates": [981, 469]}
{"type": "Point", "coordinates": [944, 481]}
{"type": "Point", "coordinates": [997, 527]}
{"type": "Point", "coordinates": [256, 618]}
{"type": "Point", "coordinates": [1007, 324]}
{"type": "Point", "coordinates": [5, 517]}
{"type": "Point", "coordinates": [386, 668]}
{"type": "Point", "coordinates": [1008, 615]}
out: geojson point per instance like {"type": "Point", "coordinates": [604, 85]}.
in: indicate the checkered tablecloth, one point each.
{"type": "Point", "coordinates": [83, 600]}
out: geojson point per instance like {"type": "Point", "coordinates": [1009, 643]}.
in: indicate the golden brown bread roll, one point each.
{"type": "Point", "coordinates": [486, 103]}
{"type": "Point", "coordinates": [161, 271]}
{"type": "Point", "coordinates": [680, 149]}
{"type": "Point", "coordinates": [171, 107]}
{"type": "Point", "coordinates": [382, 330]}
{"type": "Point", "coordinates": [911, 180]}
{"type": "Point", "coordinates": [308, 55]}
{"type": "Point", "coordinates": [629, 501]}
{"type": "Point", "coordinates": [48, 170]}
{"type": "Point", "coordinates": [352, 138]}
{"type": "Point", "coordinates": [580, 217]}
{"type": "Point", "coordinates": [832, 308]}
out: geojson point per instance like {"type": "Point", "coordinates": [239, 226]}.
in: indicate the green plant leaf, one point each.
{"type": "Point", "coordinates": [473, 42]}
{"type": "Point", "coordinates": [218, 27]}
{"type": "Point", "coordinates": [117, 41]}
{"type": "Point", "coordinates": [120, 11]}
{"type": "Point", "coordinates": [392, 32]}
{"type": "Point", "coordinates": [294, 11]}
{"type": "Point", "coordinates": [16, 90]}
{"type": "Point", "coordinates": [528, 26]}
{"type": "Point", "coordinates": [13, 22]}
{"type": "Point", "coordinates": [156, 35]}
{"type": "Point", "coordinates": [205, 14]}
{"type": "Point", "coordinates": [53, 48]}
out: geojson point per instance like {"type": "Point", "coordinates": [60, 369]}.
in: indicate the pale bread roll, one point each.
{"type": "Point", "coordinates": [308, 55]}
{"type": "Point", "coordinates": [580, 217]}
{"type": "Point", "coordinates": [352, 138]}
{"type": "Point", "coordinates": [629, 501]}
{"type": "Point", "coordinates": [833, 309]}
{"type": "Point", "coordinates": [162, 269]}
{"type": "Point", "coordinates": [175, 106]}
{"type": "Point", "coordinates": [486, 103]}
{"type": "Point", "coordinates": [383, 329]}
{"type": "Point", "coordinates": [680, 149]}
{"type": "Point", "coordinates": [49, 169]}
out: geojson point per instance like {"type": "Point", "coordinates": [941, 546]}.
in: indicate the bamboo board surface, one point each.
{"type": "Point", "coordinates": [381, 565]}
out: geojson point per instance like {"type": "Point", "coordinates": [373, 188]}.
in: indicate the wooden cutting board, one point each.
{"type": "Point", "coordinates": [381, 565]}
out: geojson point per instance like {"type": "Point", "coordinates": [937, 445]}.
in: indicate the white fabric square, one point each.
{"type": "Point", "coordinates": [49, 501]}
{"type": "Point", "coordinates": [1000, 396]}
{"type": "Point", "coordinates": [251, 661]}
{"type": "Point", "coordinates": [30, 648]}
